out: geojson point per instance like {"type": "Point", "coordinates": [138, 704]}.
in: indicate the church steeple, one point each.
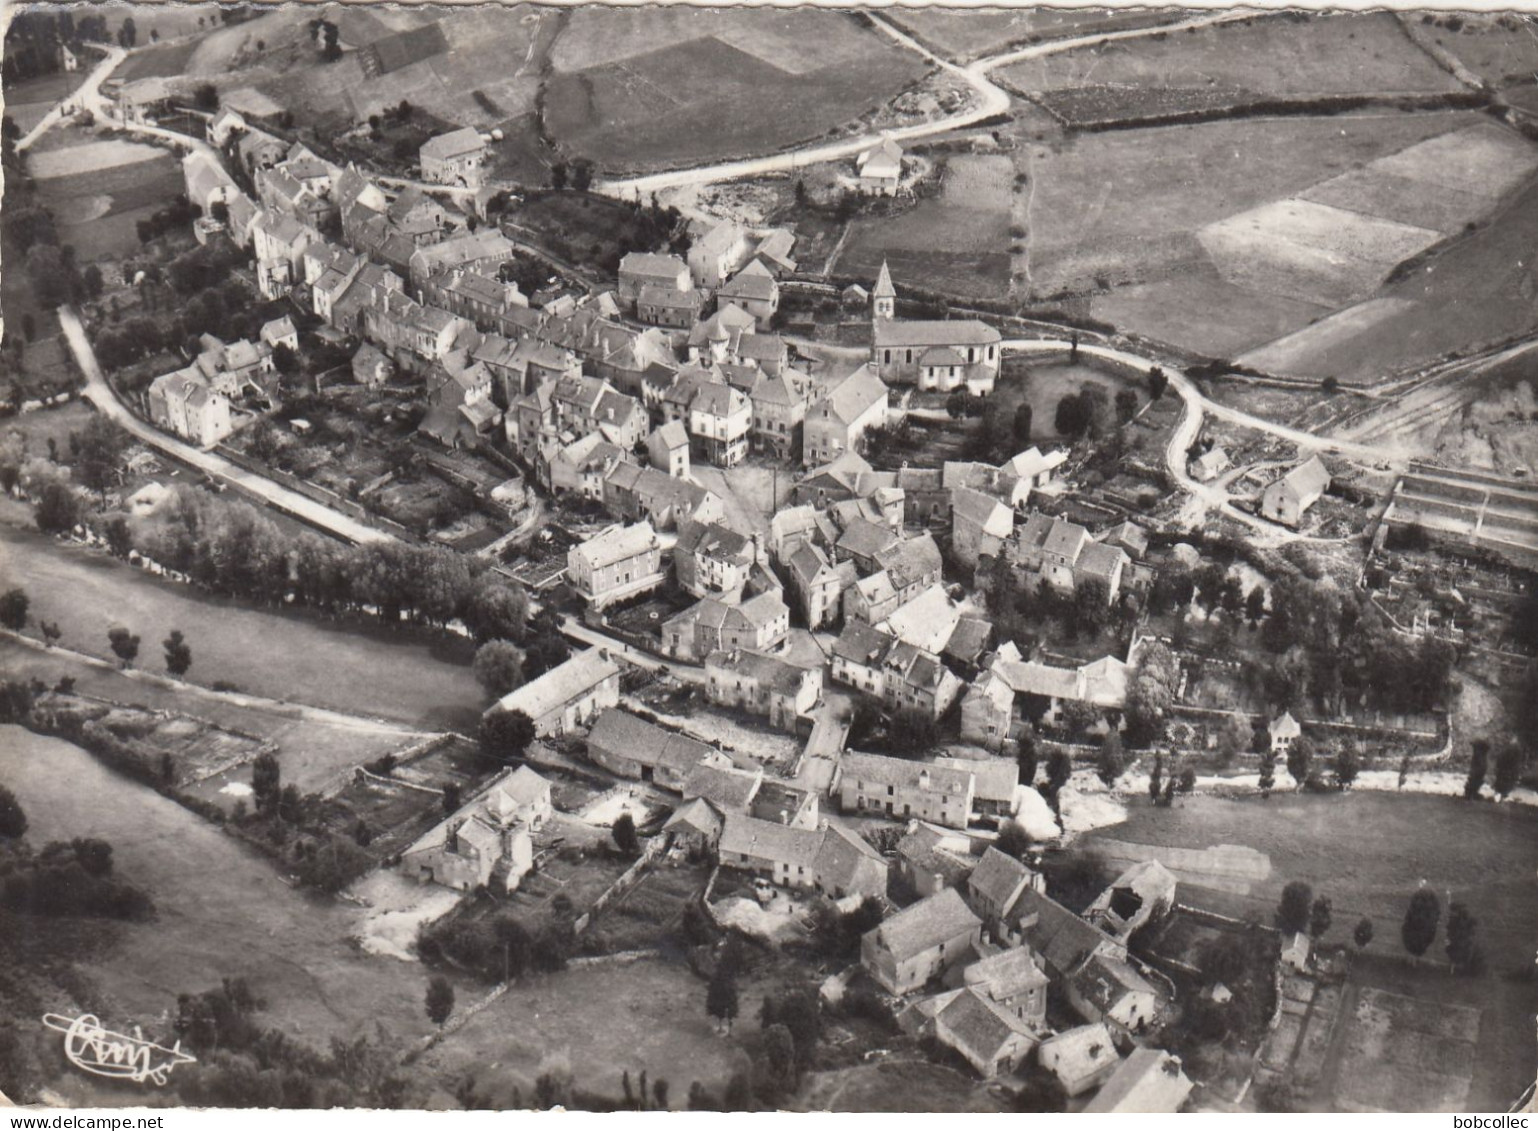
{"type": "Point", "coordinates": [884, 297]}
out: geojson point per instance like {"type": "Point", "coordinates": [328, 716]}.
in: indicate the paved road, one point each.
{"type": "Point", "coordinates": [88, 95]}
{"type": "Point", "coordinates": [990, 99]}
{"type": "Point", "coordinates": [100, 394]}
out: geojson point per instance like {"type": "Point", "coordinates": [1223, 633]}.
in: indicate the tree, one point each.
{"type": "Point", "coordinates": [1508, 771]}
{"type": "Point", "coordinates": [1267, 780]}
{"type": "Point", "coordinates": [56, 510]}
{"type": "Point", "coordinates": [1292, 913]}
{"type": "Point", "coordinates": [1073, 417]}
{"type": "Point", "coordinates": [91, 278]}
{"type": "Point", "coordinates": [1420, 922]}
{"type": "Point", "coordinates": [660, 1091]}
{"type": "Point", "coordinates": [1022, 429]}
{"type": "Point", "coordinates": [206, 97]}
{"type": "Point", "coordinates": [1479, 764]}
{"type": "Point", "coordinates": [581, 174]}
{"type": "Point", "coordinates": [1151, 693]}
{"type": "Point", "coordinates": [780, 1053]}
{"type": "Point", "coordinates": [13, 821]}
{"type": "Point", "coordinates": [1319, 917]}
{"type": "Point", "coordinates": [1299, 755]}
{"type": "Point", "coordinates": [266, 784]}
{"type": "Point", "coordinates": [52, 280]}
{"type": "Point", "coordinates": [1462, 950]}
{"type": "Point", "coordinates": [13, 609]}
{"type": "Point", "coordinates": [440, 999]}
{"type": "Point", "coordinates": [450, 798]}
{"type": "Point", "coordinates": [1362, 935]}
{"type": "Point", "coordinates": [1255, 605]}
{"type": "Point", "coordinates": [721, 994]}
{"type": "Point", "coordinates": [1126, 406]}
{"type": "Point", "coordinates": [1112, 761]}
{"type": "Point", "coordinates": [125, 645]}
{"type": "Point", "coordinates": [1156, 779]}
{"type": "Point", "coordinates": [498, 666]}
{"type": "Point", "coordinates": [128, 34]}
{"type": "Point", "coordinates": [51, 631]}
{"type": "Point", "coordinates": [1347, 765]}
{"type": "Point", "coordinates": [1013, 840]}
{"type": "Point", "coordinates": [1157, 382]}
{"type": "Point", "coordinates": [1186, 783]}
{"type": "Point", "coordinates": [178, 653]}
{"type": "Point", "coordinates": [558, 175]}
{"type": "Point", "coordinates": [497, 611]}
{"type": "Point", "coordinates": [96, 452]}
{"type": "Point", "coordinates": [1059, 770]}
{"type": "Point", "coordinates": [1026, 757]}
{"type": "Point", "coordinates": [505, 735]}
{"type": "Point", "coordinates": [285, 360]}
{"type": "Point", "coordinates": [624, 834]}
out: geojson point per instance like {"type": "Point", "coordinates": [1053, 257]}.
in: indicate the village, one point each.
{"type": "Point", "coordinates": [915, 666]}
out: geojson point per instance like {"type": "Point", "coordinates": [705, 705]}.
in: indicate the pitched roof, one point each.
{"type": "Point", "coordinates": [882, 770]}
{"type": "Point", "coordinates": [1100, 560]}
{"type": "Point", "coordinates": [852, 397]}
{"type": "Point", "coordinates": [841, 853]}
{"type": "Point", "coordinates": [524, 786]}
{"type": "Point", "coordinates": [770, 840]}
{"type": "Point", "coordinates": [998, 878]}
{"type": "Point", "coordinates": [968, 639]}
{"type": "Point", "coordinates": [1078, 1052]}
{"type": "Point", "coordinates": [884, 287]}
{"type": "Point", "coordinates": [1005, 974]}
{"type": "Point", "coordinates": [618, 543]}
{"type": "Point", "coordinates": [926, 924]}
{"type": "Point", "coordinates": [696, 815]}
{"type": "Point", "coordinates": [995, 779]}
{"type": "Point", "coordinates": [652, 265]}
{"type": "Point", "coordinates": [645, 742]}
{"type": "Point", "coordinates": [729, 790]}
{"type": "Point", "coordinates": [1149, 1082]}
{"type": "Point", "coordinates": [946, 332]}
{"type": "Point", "coordinates": [560, 684]}
{"type": "Point", "coordinates": [455, 143]}
{"type": "Point", "coordinates": [779, 674]}
{"type": "Point", "coordinates": [984, 510]}
{"type": "Point", "coordinates": [1057, 934]}
{"type": "Point", "coordinates": [671, 435]}
{"type": "Point", "coordinates": [911, 559]}
{"type": "Point", "coordinates": [1308, 480]}
{"type": "Point", "coordinates": [752, 283]}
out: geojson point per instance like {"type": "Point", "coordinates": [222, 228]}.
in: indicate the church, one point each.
{"type": "Point", "coordinates": [936, 356]}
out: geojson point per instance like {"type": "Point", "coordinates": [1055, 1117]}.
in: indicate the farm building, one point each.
{"type": "Point", "coordinates": [631, 747]}
{"type": "Point", "coordinates": [455, 158]}
{"type": "Point", "coordinates": [920, 942]}
{"type": "Point", "coordinates": [1286, 500]}
{"type": "Point", "coordinates": [569, 696]}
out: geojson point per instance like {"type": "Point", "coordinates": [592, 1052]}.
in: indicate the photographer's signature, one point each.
{"type": "Point", "coordinates": [102, 1052]}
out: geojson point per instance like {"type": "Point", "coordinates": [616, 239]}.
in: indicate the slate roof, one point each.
{"type": "Point", "coordinates": [617, 544]}
{"type": "Point", "coordinates": [644, 742]}
{"type": "Point", "coordinates": [840, 855]}
{"type": "Point", "coordinates": [1098, 560]}
{"type": "Point", "coordinates": [926, 924]}
{"type": "Point", "coordinates": [1148, 1082]}
{"type": "Point", "coordinates": [455, 143]}
{"type": "Point", "coordinates": [997, 878]}
{"type": "Point", "coordinates": [852, 397]}
{"type": "Point", "coordinates": [695, 816]}
{"type": "Point", "coordinates": [1308, 480]}
{"type": "Point", "coordinates": [752, 283]}
{"type": "Point", "coordinates": [770, 840]}
{"type": "Point", "coordinates": [881, 770]}
{"type": "Point", "coordinates": [995, 779]}
{"type": "Point", "coordinates": [730, 791]}
{"type": "Point", "coordinates": [1058, 935]}
{"type": "Point", "coordinates": [772, 671]}
{"type": "Point", "coordinates": [894, 334]}
{"type": "Point", "coordinates": [561, 684]}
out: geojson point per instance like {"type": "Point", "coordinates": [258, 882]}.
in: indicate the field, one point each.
{"type": "Point", "coordinates": [222, 910]}
{"type": "Point", "coordinates": [965, 35]}
{"type": "Point", "coordinates": [99, 190]}
{"type": "Point", "coordinates": [1394, 842]}
{"type": "Point", "coordinates": [1477, 288]}
{"type": "Point", "coordinates": [894, 1086]}
{"type": "Point", "coordinates": [1356, 53]}
{"type": "Point", "coordinates": [27, 103]}
{"type": "Point", "coordinates": [647, 1015]}
{"type": "Point", "coordinates": [957, 242]}
{"type": "Point", "coordinates": [159, 60]}
{"type": "Point", "coordinates": [280, 655]}
{"type": "Point", "coordinates": [654, 87]}
{"type": "Point", "coordinates": [1501, 49]}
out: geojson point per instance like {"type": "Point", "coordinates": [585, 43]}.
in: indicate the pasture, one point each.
{"type": "Point", "coordinates": [607, 1019]}
{"type": "Point", "coordinates": [282, 655]}
{"type": "Point", "coordinates": [1393, 842]}
{"type": "Point", "coordinates": [1275, 56]}
{"type": "Point", "coordinates": [222, 909]}
{"type": "Point", "coordinates": [99, 190]}
{"type": "Point", "coordinates": [956, 243]}
{"type": "Point", "coordinates": [27, 103]}
{"type": "Point", "coordinates": [649, 88]}
{"type": "Point", "coordinates": [964, 35]}
{"type": "Point", "coordinates": [1499, 47]}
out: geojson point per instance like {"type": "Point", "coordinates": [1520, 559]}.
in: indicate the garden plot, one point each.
{"type": "Point", "coordinates": [1406, 1054]}
{"type": "Point", "coordinates": [89, 157]}
{"type": "Point", "coordinates": [1311, 252]}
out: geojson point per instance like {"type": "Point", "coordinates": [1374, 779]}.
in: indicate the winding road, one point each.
{"type": "Point", "coordinates": [991, 99]}
{"type": "Point", "coordinates": [87, 95]}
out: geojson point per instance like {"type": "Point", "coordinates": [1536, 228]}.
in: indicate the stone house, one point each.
{"type": "Point", "coordinates": [455, 158]}
{"type": "Point", "coordinates": [899, 788]}
{"type": "Point", "coordinates": [759, 623]}
{"type": "Point", "coordinates": [1286, 500]}
{"type": "Point", "coordinates": [755, 290]}
{"type": "Point", "coordinates": [631, 747]}
{"type": "Point", "coordinates": [713, 560]}
{"type": "Point", "coordinates": [569, 696]}
{"type": "Point", "coordinates": [920, 942]}
{"type": "Point", "coordinates": [668, 449]}
{"type": "Point", "coordinates": [763, 685]}
{"type": "Point", "coordinates": [837, 421]}
{"type": "Point", "coordinates": [620, 562]}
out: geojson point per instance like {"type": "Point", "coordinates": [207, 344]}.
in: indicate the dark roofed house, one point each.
{"type": "Point", "coordinates": [763, 685]}
{"type": "Point", "coordinates": [727, 789]}
{"type": "Point", "coordinates": [929, 858]}
{"type": "Point", "coordinates": [989, 1037]}
{"type": "Point", "coordinates": [787, 854]}
{"type": "Point", "coordinates": [631, 747]}
{"type": "Point", "coordinates": [847, 865]}
{"type": "Point", "coordinates": [1289, 497]}
{"type": "Point", "coordinates": [996, 885]}
{"type": "Point", "coordinates": [920, 942]}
